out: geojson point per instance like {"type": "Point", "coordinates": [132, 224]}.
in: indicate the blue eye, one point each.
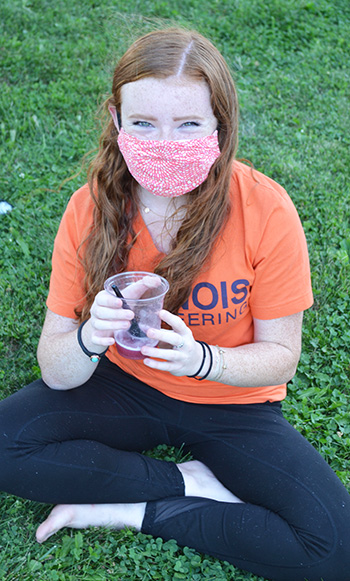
{"type": "Point", "coordinates": [142, 123]}
{"type": "Point", "coordinates": [190, 124]}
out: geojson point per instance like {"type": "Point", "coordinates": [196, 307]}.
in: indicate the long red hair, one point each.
{"type": "Point", "coordinates": [160, 54]}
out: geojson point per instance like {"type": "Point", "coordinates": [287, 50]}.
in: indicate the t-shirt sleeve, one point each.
{"type": "Point", "coordinates": [282, 283]}
{"type": "Point", "coordinates": [66, 290]}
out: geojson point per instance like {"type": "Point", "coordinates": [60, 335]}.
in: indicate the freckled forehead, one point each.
{"type": "Point", "coordinates": [172, 92]}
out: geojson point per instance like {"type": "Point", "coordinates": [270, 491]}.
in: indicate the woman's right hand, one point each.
{"type": "Point", "coordinates": [107, 312]}
{"type": "Point", "coordinates": [107, 316]}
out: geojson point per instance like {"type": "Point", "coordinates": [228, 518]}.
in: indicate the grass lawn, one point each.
{"type": "Point", "coordinates": [290, 59]}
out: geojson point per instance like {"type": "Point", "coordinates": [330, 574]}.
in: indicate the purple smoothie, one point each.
{"type": "Point", "coordinates": [129, 346]}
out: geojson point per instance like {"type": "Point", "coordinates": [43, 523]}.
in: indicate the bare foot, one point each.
{"type": "Point", "coordinates": [200, 481]}
{"type": "Point", "coordinates": [81, 516]}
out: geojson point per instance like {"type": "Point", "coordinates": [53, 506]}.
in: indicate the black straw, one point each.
{"type": "Point", "coordinates": [134, 327]}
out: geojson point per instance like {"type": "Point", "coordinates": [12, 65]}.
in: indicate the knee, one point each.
{"type": "Point", "coordinates": [334, 566]}
{"type": "Point", "coordinates": [13, 449]}
{"type": "Point", "coordinates": [7, 444]}
{"type": "Point", "coordinates": [8, 462]}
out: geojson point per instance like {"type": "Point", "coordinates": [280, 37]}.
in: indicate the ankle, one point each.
{"type": "Point", "coordinates": [188, 473]}
{"type": "Point", "coordinates": [135, 515]}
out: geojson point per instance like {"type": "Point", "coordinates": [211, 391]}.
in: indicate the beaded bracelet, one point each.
{"type": "Point", "coordinates": [94, 357]}
{"type": "Point", "coordinates": [204, 345]}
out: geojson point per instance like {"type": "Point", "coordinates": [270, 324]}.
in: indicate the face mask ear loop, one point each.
{"type": "Point", "coordinates": [117, 120]}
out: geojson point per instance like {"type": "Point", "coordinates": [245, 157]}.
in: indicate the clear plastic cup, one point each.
{"type": "Point", "coordinates": [143, 293]}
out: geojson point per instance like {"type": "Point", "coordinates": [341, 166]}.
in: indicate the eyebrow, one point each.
{"type": "Point", "coordinates": [137, 116]}
{"type": "Point", "coordinates": [150, 118]}
{"type": "Point", "coordinates": [188, 117]}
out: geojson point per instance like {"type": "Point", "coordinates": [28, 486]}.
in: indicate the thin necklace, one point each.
{"type": "Point", "coordinates": [147, 210]}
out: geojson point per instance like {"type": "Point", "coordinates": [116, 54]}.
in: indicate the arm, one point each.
{"type": "Point", "coordinates": [270, 360]}
{"type": "Point", "coordinates": [273, 357]}
{"type": "Point", "coordinates": [62, 362]}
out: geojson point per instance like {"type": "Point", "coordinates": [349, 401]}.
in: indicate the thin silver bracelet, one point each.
{"type": "Point", "coordinates": [222, 364]}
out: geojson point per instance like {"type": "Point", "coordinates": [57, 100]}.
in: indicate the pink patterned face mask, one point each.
{"type": "Point", "coordinates": [169, 168]}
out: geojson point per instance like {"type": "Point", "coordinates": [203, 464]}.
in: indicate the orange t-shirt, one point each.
{"type": "Point", "coordinates": [259, 268]}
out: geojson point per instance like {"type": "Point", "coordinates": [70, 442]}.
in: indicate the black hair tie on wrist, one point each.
{"type": "Point", "coordinates": [94, 357]}
{"type": "Point", "coordinates": [204, 345]}
{"type": "Point", "coordinates": [210, 364]}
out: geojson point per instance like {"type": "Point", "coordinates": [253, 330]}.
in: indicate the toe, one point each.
{"type": "Point", "coordinates": [59, 517]}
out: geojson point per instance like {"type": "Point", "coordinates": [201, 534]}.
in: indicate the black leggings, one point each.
{"type": "Point", "coordinates": [85, 446]}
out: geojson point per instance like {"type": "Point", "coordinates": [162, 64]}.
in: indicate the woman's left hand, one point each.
{"type": "Point", "coordinates": [185, 356]}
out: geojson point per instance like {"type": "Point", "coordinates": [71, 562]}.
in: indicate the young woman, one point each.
{"type": "Point", "coordinates": [166, 195]}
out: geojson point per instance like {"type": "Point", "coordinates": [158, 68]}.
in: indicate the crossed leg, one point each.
{"type": "Point", "coordinates": [198, 479]}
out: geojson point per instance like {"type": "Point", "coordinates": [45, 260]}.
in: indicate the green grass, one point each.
{"type": "Point", "coordinates": [290, 59]}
